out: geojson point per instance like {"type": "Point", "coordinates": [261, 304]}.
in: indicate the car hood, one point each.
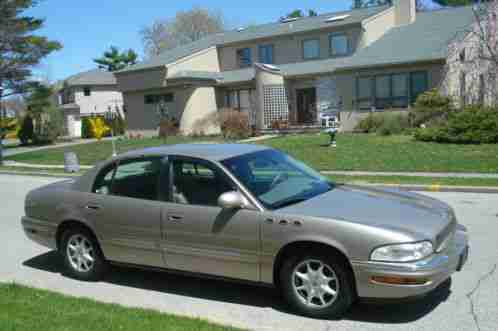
{"type": "Point", "coordinates": [408, 213]}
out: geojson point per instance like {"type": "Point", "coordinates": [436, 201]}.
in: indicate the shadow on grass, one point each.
{"type": "Point", "coordinates": [247, 294]}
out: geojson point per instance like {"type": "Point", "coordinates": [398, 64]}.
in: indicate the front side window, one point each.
{"type": "Point", "coordinates": [244, 58]}
{"type": "Point", "coordinates": [339, 45]}
{"type": "Point", "coordinates": [87, 91]}
{"type": "Point", "coordinates": [132, 178]}
{"type": "Point", "coordinates": [311, 49]}
{"type": "Point", "coordinates": [276, 179]}
{"type": "Point", "coordinates": [266, 54]}
{"type": "Point", "coordinates": [198, 183]}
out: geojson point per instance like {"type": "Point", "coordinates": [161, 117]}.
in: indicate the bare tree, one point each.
{"type": "Point", "coordinates": [471, 68]}
{"type": "Point", "coordinates": [184, 28]}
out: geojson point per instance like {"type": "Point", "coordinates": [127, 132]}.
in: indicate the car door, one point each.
{"type": "Point", "coordinates": [126, 212]}
{"type": "Point", "coordinates": [198, 235]}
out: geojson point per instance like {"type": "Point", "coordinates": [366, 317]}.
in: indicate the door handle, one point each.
{"type": "Point", "coordinates": [92, 207]}
{"type": "Point", "coordinates": [175, 218]}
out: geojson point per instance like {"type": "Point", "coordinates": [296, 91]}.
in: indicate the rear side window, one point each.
{"type": "Point", "coordinates": [133, 179]}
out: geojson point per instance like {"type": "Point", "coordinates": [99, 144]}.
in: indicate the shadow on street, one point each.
{"type": "Point", "coordinates": [245, 294]}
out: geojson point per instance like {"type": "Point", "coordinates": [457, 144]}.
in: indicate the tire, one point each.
{"type": "Point", "coordinates": [82, 256]}
{"type": "Point", "coordinates": [334, 278]}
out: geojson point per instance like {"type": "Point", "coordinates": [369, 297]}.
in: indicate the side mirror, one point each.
{"type": "Point", "coordinates": [231, 200]}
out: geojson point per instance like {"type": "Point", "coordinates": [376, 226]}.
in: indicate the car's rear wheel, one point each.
{"type": "Point", "coordinates": [317, 285]}
{"type": "Point", "coordinates": [82, 256]}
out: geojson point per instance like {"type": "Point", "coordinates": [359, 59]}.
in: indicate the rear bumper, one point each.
{"type": "Point", "coordinates": [433, 270]}
{"type": "Point", "coordinates": [40, 232]}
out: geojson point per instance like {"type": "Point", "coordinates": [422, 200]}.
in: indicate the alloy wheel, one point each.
{"type": "Point", "coordinates": [315, 284]}
{"type": "Point", "coordinates": [80, 253]}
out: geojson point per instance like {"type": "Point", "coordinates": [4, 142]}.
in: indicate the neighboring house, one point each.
{"type": "Point", "coordinates": [85, 94]}
{"type": "Point", "coordinates": [348, 63]}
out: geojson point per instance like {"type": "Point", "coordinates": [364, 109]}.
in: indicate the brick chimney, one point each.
{"type": "Point", "coordinates": [405, 11]}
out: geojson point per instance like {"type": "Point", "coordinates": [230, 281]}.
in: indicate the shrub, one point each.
{"type": "Point", "coordinates": [86, 128]}
{"type": "Point", "coordinates": [370, 124]}
{"type": "Point", "coordinates": [168, 128]}
{"type": "Point", "coordinates": [49, 126]}
{"type": "Point", "coordinates": [431, 109]}
{"type": "Point", "coordinates": [118, 125]}
{"type": "Point", "coordinates": [472, 125]}
{"type": "Point", "coordinates": [234, 124]}
{"type": "Point", "coordinates": [384, 124]}
{"type": "Point", "coordinates": [26, 133]}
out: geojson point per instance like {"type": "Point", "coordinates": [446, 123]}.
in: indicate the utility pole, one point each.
{"type": "Point", "coordinates": [1, 125]}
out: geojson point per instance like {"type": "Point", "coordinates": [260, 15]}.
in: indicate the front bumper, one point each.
{"type": "Point", "coordinates": [433, 270]}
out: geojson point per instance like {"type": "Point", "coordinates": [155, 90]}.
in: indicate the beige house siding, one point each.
{"type": "Point", "coordinates": [141, 80]}
{"type": "Point", "coordinates": [206, 60]}
{"type": "Point", "coordinates": [376, 26]}
{"type": "Point", "coordinates": [193, 106]}
{"type": "Point", "coordinates": [287, 49]}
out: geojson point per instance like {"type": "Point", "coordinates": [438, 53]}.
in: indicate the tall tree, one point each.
{"type": "Point", "coordinates": [184, 28]}
{"type": "Point", "coordinates": [368, 3]}
{"type": "Point", "coordinates": [20, 49]}
{"type": "Point", "coordinates": [113, 59]}
{"type": "Point", "coordinates": [297, 13]}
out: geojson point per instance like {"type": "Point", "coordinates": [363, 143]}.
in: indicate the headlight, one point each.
{"type": "Point", "coordinates": [402, 252]}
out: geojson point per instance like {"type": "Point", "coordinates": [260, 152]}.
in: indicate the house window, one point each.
{"type": "Point", "coordinates": [266, 54]}
{"type": "Point", "coordinates": [156, 98]}
{"type": "Point", "coordinates": [418, 84]}
{"type": "Point", "coordinates": [244, 57]}
{"type": "Point", "coordinates": [311, 49]}
{"type": "Point", "coordinates": [462, 55]}
{"type": "Point", "coordinates": [87, 91]}
{"type": "Point", "coordinates": [399, 83]}
{"type": "Point", "coordinates": [382, 92]}
{"type": "Point", "coordinates": [339, 44]}
{"type": "Point", "coordinates": [364, 93]}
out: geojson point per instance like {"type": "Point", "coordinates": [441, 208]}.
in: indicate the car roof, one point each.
{"type": "Point", "coordinates": [214, 152]}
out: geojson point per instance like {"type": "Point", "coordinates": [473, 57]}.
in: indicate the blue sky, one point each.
{"type": "Point", "coordinates": [87, 28]}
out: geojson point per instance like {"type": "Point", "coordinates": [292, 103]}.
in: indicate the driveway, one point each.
{"type": "Point", "coordinates": [471, 299]}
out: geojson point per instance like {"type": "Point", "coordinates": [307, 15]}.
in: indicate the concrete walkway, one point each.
{"type": "Point", "coordinates": [413, 174]}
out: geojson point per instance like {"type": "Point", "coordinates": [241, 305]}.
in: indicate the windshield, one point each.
{"type": "Point", "coordinates": [276, 179]}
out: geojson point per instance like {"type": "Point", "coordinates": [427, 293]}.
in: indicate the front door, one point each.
{"type": "Point", "coordinates": [124, 207]}
{"type": "Point", "coordinates": [306, 105]}
{"type": "Point", "coordinates": [198, 235]}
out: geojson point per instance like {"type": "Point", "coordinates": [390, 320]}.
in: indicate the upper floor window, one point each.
{"type": "Point", "coordinates": [339, 44]}
{"type": "Point", "coordinates": [156, 98]}
{"type": "Point", "coordinates": [266, 54]}
{"type": "Point", "coordinates": [244, 58]}
{"type": "Point", "coordinates": [311, 49]}
{"type": "Point", "coordinates": [87, 91]}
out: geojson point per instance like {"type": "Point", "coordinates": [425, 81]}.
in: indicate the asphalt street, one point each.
{"type": "Point", "coordinates": [470, 302]}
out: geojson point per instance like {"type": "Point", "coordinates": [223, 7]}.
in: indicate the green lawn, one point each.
{"type": "Point", "coordinates": [91, 153]}
{"type": "Point", "coordinates": [27, 309]}
{"type": "Point", "coordinates": [387, 153]}
{"type": "Point", "coordinates": [447, 181]}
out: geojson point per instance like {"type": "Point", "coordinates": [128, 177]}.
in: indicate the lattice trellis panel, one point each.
{"type": "Point", "coordinates": [275, 104]}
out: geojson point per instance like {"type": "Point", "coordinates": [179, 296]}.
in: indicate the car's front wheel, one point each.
{"type": "Point", "coordinates": [82, 256]}
{"type": "Point", "coordinates": [317, 285]}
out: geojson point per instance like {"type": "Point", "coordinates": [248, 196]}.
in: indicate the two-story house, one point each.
{"type": "Point", "coordinates": [85, 94]}
{"type": "Point", "coordinates": [347, 63]}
